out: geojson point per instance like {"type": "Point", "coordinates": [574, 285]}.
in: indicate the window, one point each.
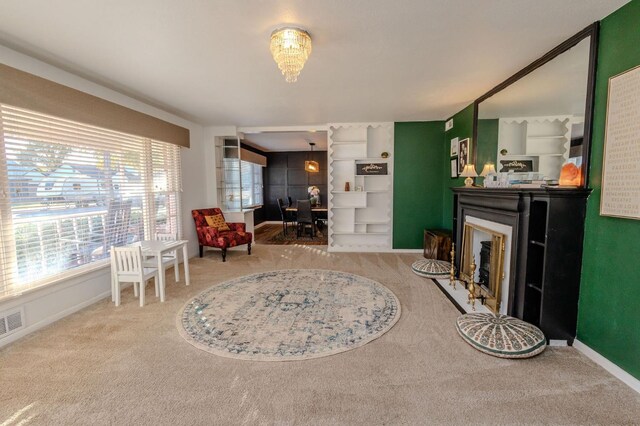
{"type": "Point", "coordinates": [70, 191]}
{"type": "Point", "coordinates": [251, 184]}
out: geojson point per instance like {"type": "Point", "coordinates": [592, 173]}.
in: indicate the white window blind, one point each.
{"type": "Point", "coordinates": [70, 191]}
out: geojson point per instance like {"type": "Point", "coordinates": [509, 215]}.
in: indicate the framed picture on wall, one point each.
{"type": "Point", "coordinates": [454, 167]}
{"type": "Point", "coordinates": [454, 147]}
{"type": "Point", "coordinates": [464, 151]}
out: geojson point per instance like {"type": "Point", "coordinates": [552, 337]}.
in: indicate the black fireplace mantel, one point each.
{"type": "Point", "coordinates": [546, 249]}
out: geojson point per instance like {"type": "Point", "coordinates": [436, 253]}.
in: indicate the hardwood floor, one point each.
{"type": "Point", "coordinates": [271, 233]}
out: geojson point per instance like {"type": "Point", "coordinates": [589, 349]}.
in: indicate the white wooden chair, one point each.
{"type": "Point", "coordinates": [127, 266]}
{"type": "Point", "coordinates": [168, 259]}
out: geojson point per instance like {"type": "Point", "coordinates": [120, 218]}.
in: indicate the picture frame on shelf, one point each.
{"type": "Point", "coordinates": [464, 154]}
{"type": "Point", "coordinates": [454, 147]}
{"type": "Point", "coordinates": [454, 167]}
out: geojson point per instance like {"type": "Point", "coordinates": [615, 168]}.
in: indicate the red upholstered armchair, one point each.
{"type": "Point", "coordinates": [211, 237]}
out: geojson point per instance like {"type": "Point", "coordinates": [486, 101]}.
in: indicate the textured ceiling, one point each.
{"type": "Point", "coordinates": [372, 60]}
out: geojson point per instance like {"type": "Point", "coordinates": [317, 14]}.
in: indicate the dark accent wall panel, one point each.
{"type": "Point", "coordinates": [285, 177]}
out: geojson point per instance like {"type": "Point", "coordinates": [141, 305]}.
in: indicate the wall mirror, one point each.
{"type": "Point", "coordinates": [536, 125]}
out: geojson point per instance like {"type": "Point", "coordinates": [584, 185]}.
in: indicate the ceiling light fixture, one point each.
{"type": "Point", "coordinates": [290, 48]}
{"type": "Point", "coordinates": [310, 165]}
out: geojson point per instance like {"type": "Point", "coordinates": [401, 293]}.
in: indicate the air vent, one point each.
{"type": "Point", "coordinates": [11, 321]}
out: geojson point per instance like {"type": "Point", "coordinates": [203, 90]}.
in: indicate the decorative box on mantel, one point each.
{"type": "Point", "coordinates": [547, 227]}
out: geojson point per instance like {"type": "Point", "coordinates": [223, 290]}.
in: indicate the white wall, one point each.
{"type": "Point", "coordinates": [49, 304]}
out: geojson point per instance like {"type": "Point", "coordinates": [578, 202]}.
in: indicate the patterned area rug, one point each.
{"type": "Point", "coordinates": [289, 315]}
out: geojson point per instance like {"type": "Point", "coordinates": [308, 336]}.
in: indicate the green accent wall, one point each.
{"type": "Point", "coordinates": [487, 143]}
{"type": "Point", "coordinates": [417, 181]}
{"type": "Point", "coordinates": [462, 129]}
{"type": "Point", "coordinates": [609, 306]}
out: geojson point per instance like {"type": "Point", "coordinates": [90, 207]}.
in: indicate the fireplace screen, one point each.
{"type": "Point", "coordinates": [484, 249]}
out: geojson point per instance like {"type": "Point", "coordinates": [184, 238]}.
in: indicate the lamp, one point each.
{"type": "Point", "coordinates": [290, 48]}
{"type": "Point", "coordinates": [310, 165]}
{"type": "Point", "coordinates": [469, 172]}
{"type": "Point", "coordinates": [488, 169]}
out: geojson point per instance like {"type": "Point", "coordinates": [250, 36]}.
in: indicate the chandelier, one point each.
{"type": "Point", "coordinates": [290, 48]}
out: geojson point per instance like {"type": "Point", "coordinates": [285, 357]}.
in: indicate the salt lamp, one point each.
{"type": "Point", "coordinates": [570, 175]}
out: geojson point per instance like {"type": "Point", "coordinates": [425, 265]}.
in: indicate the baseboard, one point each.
{"type": "Point", "coordinates": [50, 320]}
{"type": "Point", "coordinates": [616, 371]}
{"type": "Point", "coordinates": [407, 251]}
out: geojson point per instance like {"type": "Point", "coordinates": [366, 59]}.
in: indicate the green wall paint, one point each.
{"type": "Point", "coordinates": [487, 143]}
{"type": "Point", "coordinates": [609, 298]}
{"type": "Point", "coordinates": [608, 314]}
{"type": "Point", "coordinates": [417, 181]}
{"type": "Point", "coordinates": [462, 128]}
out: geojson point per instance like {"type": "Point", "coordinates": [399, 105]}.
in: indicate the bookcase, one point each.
{"type": "Point", "coordinates": [545, 141]}
{"type": "Point", "coordinates": [360, 219]}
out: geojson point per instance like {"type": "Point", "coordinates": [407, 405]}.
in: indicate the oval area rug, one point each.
{"type": "Point", "coordinates": [288, 315]}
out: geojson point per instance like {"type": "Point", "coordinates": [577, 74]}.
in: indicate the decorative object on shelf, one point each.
{"type": "Point", "coordinates": [290, 48]}
{"type": "Point", "coordinates": [364, 169]}
{"type": "Point", "coordinates": [464, 154]}
{"type": "Point", "coordinates": [359, 188]}
{"type": "Point", "coordinates": [314, 195]}
{"type": "Point", "coordinates": [516, 166]}
{"type": "Point", "coordinates": [310, 165]}
{"type": "Point", "coordinates": [287, 315]}
{"type": "Point", "coordinates": [469, 172]}
{"type": "Point", "coordinates": [385, 154]}
{"type": "Point", "coordinates": [501, 335]}
{"type": "Point", "coordinates": [431, 268]}
{"type": "Point", "coordinates": [488, 172]}
{"type": "Point", "coordinates": [454, 167]}
{"type": "Point", "coordinates": [347, 187]}
{"type": "Point", "coordinates": [454, 147]}
{"type": "Point", "coordinates": [570, 175]}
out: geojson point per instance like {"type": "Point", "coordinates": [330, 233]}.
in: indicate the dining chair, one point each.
{"type": "Point", "coordinates": [305, 218]}
{"type": "Point", "coordinates": [285, 216]}
{"type": "Point", "coordinates": [168, 259]}
{"type": "Point", "coordinates": [127, 267]}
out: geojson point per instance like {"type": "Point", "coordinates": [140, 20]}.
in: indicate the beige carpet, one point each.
{"type": "Point", "coordinates": [129, 365]}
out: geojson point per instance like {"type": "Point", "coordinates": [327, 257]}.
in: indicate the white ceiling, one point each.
{"type": "Point", "coordinates": [287, 141]}
{"type": "Point", "coordinates": [372, 60]}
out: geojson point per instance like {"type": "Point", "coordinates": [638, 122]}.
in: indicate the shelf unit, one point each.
{"type": "Point", "coordinates": [543, 140]}
{"type": "Point", "coordinates": [360, 220]}
{"type": "Point", "coordinates": [228, 173]}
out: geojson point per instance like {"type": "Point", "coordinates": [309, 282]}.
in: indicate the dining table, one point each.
{"type": "Point", "coordinates": [156, 249]}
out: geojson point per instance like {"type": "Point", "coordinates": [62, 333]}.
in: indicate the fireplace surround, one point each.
{"type": "Point", "coordinates": [545, 261]}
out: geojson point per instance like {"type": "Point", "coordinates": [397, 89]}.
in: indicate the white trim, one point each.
{"type": "Point", "coordinates": [53, 318]}
{"type": "Point", "coordinates": [407, 251]}
{"type": "Point", "coordinates": [603, 362]}
{"type": "Point", "coordinates": [306, 128]}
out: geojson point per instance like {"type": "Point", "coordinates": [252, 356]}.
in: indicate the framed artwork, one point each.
{"type": "Point", "coordinates": [620, 195]}
{"type": "Point", "coordinates": [454, 147]}
{"type": "Point", "coordinates": [464, 154]}
{"type": "Point", "coordinates": [454, 167]}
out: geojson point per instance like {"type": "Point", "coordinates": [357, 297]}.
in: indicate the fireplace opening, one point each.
{"type": "Point", "coordinates": [483, 263]}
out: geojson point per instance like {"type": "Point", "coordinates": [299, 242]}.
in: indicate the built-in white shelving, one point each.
{"type": "Point", "coordinates": [545, 141]}
{"type": "Point", "coordinates": [360, 219]}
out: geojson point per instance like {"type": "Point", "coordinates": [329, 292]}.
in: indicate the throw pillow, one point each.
{"type": "Point", "coordinates": [217, 221]}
